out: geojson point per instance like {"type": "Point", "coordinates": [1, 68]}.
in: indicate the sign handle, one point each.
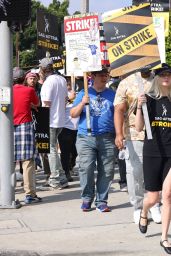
{"type": "Point", "coordinates": [73, 82]}
{"type": "Point", "coordinates": [87, 105]}
{"type": "Point", "coordinates": [144, 108]}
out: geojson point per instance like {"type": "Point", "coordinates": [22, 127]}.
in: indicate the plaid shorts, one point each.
{"type": "Point", "coordinates": [24, 142]}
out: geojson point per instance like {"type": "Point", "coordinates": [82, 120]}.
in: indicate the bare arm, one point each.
{"type": "Point", "coordinates": [119, 112]}
{"type": "Point", "coordinates": [76, 111]}
{"type": "Point", "coordinates": [139, 119]}
{"type": "Point", "coordinates": [47, 104]}
{"type": "Point", "coordinates": [35, 106]}
{"type": "Point", "coordinates": [72, 95]}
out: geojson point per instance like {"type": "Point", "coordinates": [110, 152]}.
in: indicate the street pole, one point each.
{"type": "Point", "coordinates": [7, 179]}
{"type": "Point", "coordinates": [84, 6]}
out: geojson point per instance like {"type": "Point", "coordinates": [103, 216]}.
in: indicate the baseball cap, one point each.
{"type": "Point", "coordinates": [145, 69]}
{"type": "Point", "coordinates": [164, 69]}
{"type": "Point", "coordinates": [103, 70]}
{"type": "Point", "coordinates": [18, 73]}
{"type": "Point", "coordinates": [30, 74]}
{"type": "Point", "coordinates": [45, 62]}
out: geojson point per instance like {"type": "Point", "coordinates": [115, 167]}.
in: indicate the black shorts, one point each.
{"type": "Point", "coordinates": [155, 171]}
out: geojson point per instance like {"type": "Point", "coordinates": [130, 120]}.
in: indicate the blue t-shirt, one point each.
{"type": "Point", "coordinates": [101, 111]}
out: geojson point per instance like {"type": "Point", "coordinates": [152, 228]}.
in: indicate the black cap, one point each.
{"type": "Point", "coordinates": [103, 70]}
{"type": "Point", "coordinates": [145, 69]}
{"type": "Point", "coordinates": [165, 68]}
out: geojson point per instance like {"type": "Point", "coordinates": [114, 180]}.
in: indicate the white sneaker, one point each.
{"type": "Point", "coordinates": [137, 216]}
{"type": "Point", "coordinates": [155, 213]}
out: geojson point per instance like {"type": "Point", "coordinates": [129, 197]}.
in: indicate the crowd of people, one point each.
{"type": "Point", "coordinates": [117, 125]}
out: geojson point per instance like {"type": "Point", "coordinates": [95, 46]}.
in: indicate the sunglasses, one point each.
{"type": "Point", "coordinates": [165, 74]}
{"type": "Point", "coordinates": [102, 74]}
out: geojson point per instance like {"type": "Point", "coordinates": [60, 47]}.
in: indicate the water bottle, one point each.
{"type": "Point", "coordinates": [121, 155]}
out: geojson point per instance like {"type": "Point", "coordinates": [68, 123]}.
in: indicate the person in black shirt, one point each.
{"type": "Point", "coordinates": [157, 151]}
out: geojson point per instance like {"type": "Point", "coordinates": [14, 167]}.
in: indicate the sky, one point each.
{"type": "Point", "coordinates": [99, 6]}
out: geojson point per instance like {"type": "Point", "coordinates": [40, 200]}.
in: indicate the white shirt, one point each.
{"type": "Point", "coordinates": [70, 122]}
{"type": "Point", "coordinates": [54, 89]}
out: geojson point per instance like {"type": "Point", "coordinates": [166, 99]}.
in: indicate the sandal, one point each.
{"type": "Point", "coordinates": [166, 248]}
{"type": "Point", "coordinates": [143, 228]}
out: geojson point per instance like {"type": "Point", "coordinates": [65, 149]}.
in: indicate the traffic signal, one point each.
{"type": "Point", "coordinates": [15, 10]}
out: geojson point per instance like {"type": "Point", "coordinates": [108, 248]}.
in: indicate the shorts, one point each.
{"type": "Point", "coordinates": [155, 171]}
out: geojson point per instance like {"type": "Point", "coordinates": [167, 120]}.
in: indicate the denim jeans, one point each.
{"type": "Point", "coordinates": [54, 160]}
{"type": "Point", "coordinates": [96, 151]}
{"type": "Point", "coordinates": [134, 170]}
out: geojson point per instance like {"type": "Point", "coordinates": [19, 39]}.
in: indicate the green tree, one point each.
{"type": "Point", "coordinates": [59, 9]}
{"type": "Point", "coordinates": [28, 38]}
{"type": "Point", "coordinates": [168, 45]}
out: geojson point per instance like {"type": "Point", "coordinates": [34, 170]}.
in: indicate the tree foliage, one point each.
{"type": "Point", "coordinates": [168, 44]}
{"type": "Point", "coordinates": [28, 38]}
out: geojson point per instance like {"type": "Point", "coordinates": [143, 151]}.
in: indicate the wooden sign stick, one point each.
{"type": "Point", "coordinates": [87, 105]}
{"type": "Point", "coordinates": [144, 108]}
{"type": "Point", "coordinates": [73, 82]}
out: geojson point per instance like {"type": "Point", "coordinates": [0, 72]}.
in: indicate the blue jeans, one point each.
{"type": "Point", "coordinates": [54, 160]}
{"type": "Point", "coordinates": [92, 151]}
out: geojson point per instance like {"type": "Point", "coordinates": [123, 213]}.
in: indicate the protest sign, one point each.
{"type": "Point", "coordinates": [103, 47]}
{"type": "Point", "coordinates": [131, 39]}
{"type": "Point", "coordinates": [159, 28]}
{"type": "Point", "coordinates": [82, 42]}
{"type": "Point", "coordinates": [159, 8]}
{"type": "Point", "coordinates": [48, 38]}
{"type": "Point", "coordinates": [41, 128]}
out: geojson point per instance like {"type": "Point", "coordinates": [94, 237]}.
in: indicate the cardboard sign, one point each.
{"type": "Point", "coordinates": [103, 47]}
{"type": "Point", "coordinates": [159, 8]}
{"type": "Point", "coordinates": [41, 127]}
{"type": "Point", "coordinates": [159, 28]}
{"type": "Point", "coordinates": [131, 39]}
{"type": "Point", "coordinates": [82, 41]}
{"type": "Point", "coordinates": [48, 38]}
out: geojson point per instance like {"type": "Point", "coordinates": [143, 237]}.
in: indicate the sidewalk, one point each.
{"type": "Point", "coordinates": [57, 226]}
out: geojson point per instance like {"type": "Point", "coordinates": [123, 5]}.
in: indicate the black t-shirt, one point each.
{"type": "Point", "coordinates": [159, 111]}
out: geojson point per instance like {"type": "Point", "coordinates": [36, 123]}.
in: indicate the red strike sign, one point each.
{"type": "Point", "coordinates": [80, 24]}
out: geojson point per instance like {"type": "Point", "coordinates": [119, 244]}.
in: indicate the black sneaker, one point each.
{"type": "Point", "coordinates": [123, 187]}
{"type": "Point", "coordinates": [69, 178]}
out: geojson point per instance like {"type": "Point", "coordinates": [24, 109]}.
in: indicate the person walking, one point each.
{"type": "Point", "coordinates": [67, 137]}
{"type": "Point", "coordinates": [124, 118]}
{"type": "Point", "coordinates": [31, 80]}
{"type": "Point", "coordinates": [24, 141]}
{"type": "Point", "coordinates": [54, 95]}
{"type": "Point", "coordinates": [157, 151]}
{"type": "Point", "coordinates": [97, 149]}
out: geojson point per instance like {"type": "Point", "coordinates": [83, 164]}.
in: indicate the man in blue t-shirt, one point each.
{"type": "Point", "coordinates": [97, 149]}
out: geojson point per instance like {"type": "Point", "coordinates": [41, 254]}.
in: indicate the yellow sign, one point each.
{"type": "Point", "coordinates": [131, 43]}
{"type": "Point", "coordinates": [131, 39]}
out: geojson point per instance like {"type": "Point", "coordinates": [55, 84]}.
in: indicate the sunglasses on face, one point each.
{"type": "Point", "coordinates": [102, 75]}
{"type": "Point", "coordinates": [165, 74]}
